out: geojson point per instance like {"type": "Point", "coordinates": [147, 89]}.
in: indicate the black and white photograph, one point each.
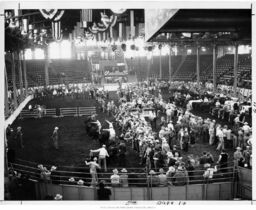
{"type": "Point", "coordinates": [127, 102]}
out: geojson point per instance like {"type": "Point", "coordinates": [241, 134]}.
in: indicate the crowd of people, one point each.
{"type": "Point", "coordinates": [163, 131]}
{"type": "Point", "coordinates": [166, 145]}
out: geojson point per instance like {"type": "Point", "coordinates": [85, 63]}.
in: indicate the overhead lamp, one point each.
{"type": "Point", "coordinates": [118, 11]}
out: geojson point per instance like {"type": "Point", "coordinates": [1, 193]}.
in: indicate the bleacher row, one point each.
{"type": "Point", "coordinates": [76, 71]}
{"type": "Point", "coordinates": [72, 71]}
{"type": "Point", "coordinates": [62, 112]}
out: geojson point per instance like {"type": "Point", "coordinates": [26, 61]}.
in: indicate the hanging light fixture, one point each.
{"type": "Point", "coordinates": [118, 11]}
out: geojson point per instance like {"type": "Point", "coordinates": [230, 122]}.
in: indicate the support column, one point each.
{"type": "Point", "coordinates": [46, 66]}
{"type": "Point", "coordinates": [20, 77]}
{"type": "Point", "coordinates": [235, 68]}
{"type": "Point", "coordinates": [25, 73]}
{"type": "Point", "coordinates": [160, 62]}
{"type": "Point", "coordinates": [198, 65]}
{"type": "Point", "coordinates": [214, 68]}
{"type": "Point", "coordinates": [170, 63]}
{"type": "Point", "coordinates": [14, 82]}
{"type": "Point", "coordinates": [132, 24]}
{"type": "Point", "coordinates": [148, 67]}
{"type": "Point", "coordinates": [6, 104]}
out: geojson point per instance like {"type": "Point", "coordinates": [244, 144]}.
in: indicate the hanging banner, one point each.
{"type": "Point", "coordinates": [56, 31]}
{"type": "Point", "coordinates": [86, 17]}
{"type": "Point", "coordinates": [48, 13]}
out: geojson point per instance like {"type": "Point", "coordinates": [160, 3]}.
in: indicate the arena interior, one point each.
{"type": "Point", "coordinates": [128, 104]}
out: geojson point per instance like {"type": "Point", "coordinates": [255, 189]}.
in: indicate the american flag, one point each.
{"type": "Point", "coordinates": [86, 16]}
{"type": "Point", "coordinates": [119, 54]}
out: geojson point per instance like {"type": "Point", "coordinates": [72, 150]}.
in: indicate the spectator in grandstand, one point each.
{"type": "Point", "coordinates": [124, 178]}
{"type": "Point", "coordinates": [9, 132]}
{"type": "Point", "coordinates": [115, 179]}
{"type": "Point", "coordinates": [185, 140]}
{"type": "Point", "coordinates": [19, 137]}
{"type": "Point", "coordinates": [122, 153]}
{"type": "Point", "coordinates": [208, 174]}
{"type": "Point", "coordinates": [103, 193]}
{"type": "Point", "coordinates": [212, 132]}
{"type": "Point", "coordinates": [93, 170]}
{"type": "Point", "coordinates": [180, 177]}
{"type": "Point", "coordinates": [247, 155]}
{"type": "Point", "coordinates": [55, 138]}
{"type": "Point", "coordinates": [220, 135]}
{"type": "Point", "coordinates": [162, 178]}
{"type": "Point", "coordinates": [209, 158]}
{"type": "Point", "coordinates": [240, 138]}
{"type": "Point", "coordinates": [103, 154]}
{"type": "Point", "coordinates": [169, 174]}
{"type": "Point", "coordinates": [238, 156]}
{"type": "Point", "coordinates": [153, 179]}
{"type": "Point", "coordinates": [111, 130]}
{"type": "Point", "coordinates": [223, 161]}
{"type": "Point", "coordinates": [45, 174]}
{"type": "Point", "coordinates": [246, 128]}
{"type": "Point", "coordinates": [203, 159]}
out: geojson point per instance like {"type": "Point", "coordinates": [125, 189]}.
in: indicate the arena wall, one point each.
{"type": "Point", "coordinates": [216, 191]}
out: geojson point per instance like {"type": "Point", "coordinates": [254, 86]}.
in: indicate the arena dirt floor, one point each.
{"type": "Point", "coordinates": [74, 143]}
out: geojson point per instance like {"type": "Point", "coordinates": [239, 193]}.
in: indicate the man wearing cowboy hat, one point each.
{"type": "Point", "coordinates": [19, 137]}
{"type": "Point", "coordinates": [238, 156]}
{"type": "Point", "coordinates": [55, 138]}
{"type": "Point", "coordinates": [153, 179]}
{"type": "Point", "coordinates": [93, 170]}
{"type": "Point", "coordinates": [124, 178]}
{"type": "Point", "coordinates": [103, 154]}
{"type": "Point", "coordinates": [111, 130]}
{"type": "Point", "coordinates": [246, 128]}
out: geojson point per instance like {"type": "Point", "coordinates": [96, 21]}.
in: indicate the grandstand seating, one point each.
{"type": "Point", "coordinates": [224, 69]}
{"type": "Point", "coordinates": [75, 71]}
{"type": "Point", "coordinates": [187, 70]}
{"type": "Point", "coordinates": [141, 66]}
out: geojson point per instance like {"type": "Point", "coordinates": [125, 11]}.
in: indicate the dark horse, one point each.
{"type": "Point", "coordinates": [91, 128]}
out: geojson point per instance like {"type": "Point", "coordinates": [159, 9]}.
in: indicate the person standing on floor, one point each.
{"type": "Point", "coordinates": [103, 154]}
{"type": "Point", "coordinates": [55, 138]}
{"type": "Point", "coordinates": [19, 137]}
{"type": "Point", "coordinates": [103, 193]}
{"type": "Point", "coordinates": [93, 170]}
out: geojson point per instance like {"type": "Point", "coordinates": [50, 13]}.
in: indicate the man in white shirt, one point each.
{"type": "Point", "coordinates": [103, 154]}
{"type": "Point", "coordinates": [246, 128]}
{"type": "Point", "coordinates": [217, 104]}
{"type": "Point", "coordinates": [219, 134]}
{"type": "Point", "coordinates": [208, 174]}
{"type": "Point", "coordinates": [111, 130]}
